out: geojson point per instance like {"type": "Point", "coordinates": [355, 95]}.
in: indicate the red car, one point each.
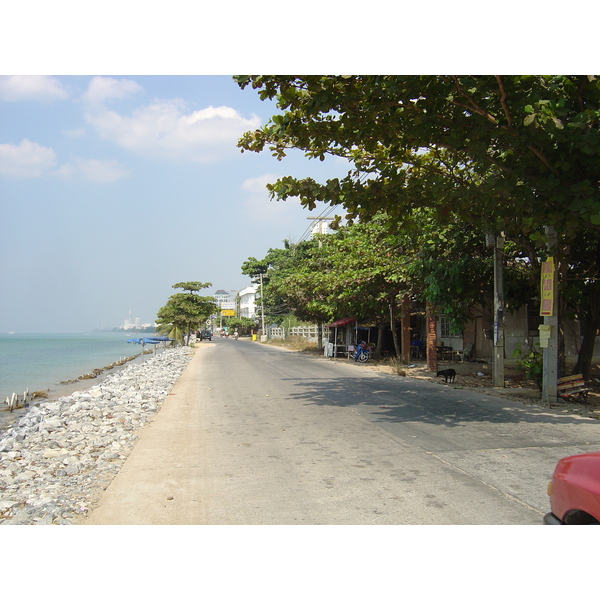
{"type": "Point", "coordinates": [575, 491]}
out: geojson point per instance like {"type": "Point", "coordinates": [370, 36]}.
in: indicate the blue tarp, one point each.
{"type": "Point", "coordinates": [150, 340]}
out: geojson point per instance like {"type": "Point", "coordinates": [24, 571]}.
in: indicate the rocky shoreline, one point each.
{"type": "Point", "coordinates": [60, 455]}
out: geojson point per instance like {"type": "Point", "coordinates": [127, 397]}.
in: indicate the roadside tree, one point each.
{"type": "Point", "coordinates": [283, 293]}
{"type": "Point", "coordinates": [185, 311]}
{"type": "Point", "coordinates": [243, 325]}
{"type": "Point", "coordinates": [511, 154]}
{"type": "Point", "coordinates": [527, 141]}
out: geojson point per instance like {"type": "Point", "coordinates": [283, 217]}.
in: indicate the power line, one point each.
{"type": "Point", "coordinates": [324, 216]}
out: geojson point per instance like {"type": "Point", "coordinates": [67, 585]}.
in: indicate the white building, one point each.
{"type": "Point", "coordinates": [129, 325]}
{"type": "Point", "coordinates": [320, 226]}
{"type": "Point", "coordinates": [247, 298]}
{"type": "Point", "coordinates": [224, 296]}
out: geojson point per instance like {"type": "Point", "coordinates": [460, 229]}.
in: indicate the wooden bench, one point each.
{"type": "Point", "coordinates": [573, 385]}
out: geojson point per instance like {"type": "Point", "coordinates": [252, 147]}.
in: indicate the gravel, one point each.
{"type": "Point", "coordinates": [58, 457]}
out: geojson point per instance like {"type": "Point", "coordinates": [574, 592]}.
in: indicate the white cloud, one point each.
{"type": "Point", "coordinates": [165, 129]}
{"type": "Point", "coordinates": [101, 89]}
{"type": "Point", "coordinates": [101, 171]}
{"type": "Point", "coordinates": [257, 186]}
{"type": "Point", "coordinates": [30, 87]}
{"type": "Point", "coordinates": [258, 206]}
{"type": "Point", "coordinates": [65, 171]}
{"type": "Point", "coordinates": [98, 171]}
{"type": "Point", "coordinates": [31, 160]}
{"type": "Point", "coordinates": [28, 159]}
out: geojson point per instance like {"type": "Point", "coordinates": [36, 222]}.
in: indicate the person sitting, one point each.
{"type": "Point", "coordinates": [416, 347]}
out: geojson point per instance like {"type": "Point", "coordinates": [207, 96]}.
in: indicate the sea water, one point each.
{"type": "Point", "coordinates": [43, 361]}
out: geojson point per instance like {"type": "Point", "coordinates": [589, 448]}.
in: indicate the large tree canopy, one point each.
{"type": "Point", "coordinates": [365, 269]}
{"type": "Point", "coordinates": [487, 147]}
{"type": "Point", "coordinates": [287, 286]}
{"type": "Point", "coordinates": [511, 154]}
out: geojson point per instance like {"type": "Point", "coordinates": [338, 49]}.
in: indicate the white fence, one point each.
{"type": "Point", "coordinates": [311, 332]}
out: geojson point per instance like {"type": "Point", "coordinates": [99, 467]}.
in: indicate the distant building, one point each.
{"type": "Point", "coordinates": [247, 297]}
{"type": "Point", "coordinates": [320, 226]}
{"type": "Point", "coordinates": [129, 324]}
{"type": "Point", "coordinates": [224, 296]}
{"type": "Point", "coordinates": [243, 300]}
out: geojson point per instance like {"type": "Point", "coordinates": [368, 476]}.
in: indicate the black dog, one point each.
{"type": "Point", "coordinates": [447, 374]}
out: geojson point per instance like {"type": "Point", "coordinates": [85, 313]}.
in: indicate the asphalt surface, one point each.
{"type": "Point", "coordinates": [255, 435]}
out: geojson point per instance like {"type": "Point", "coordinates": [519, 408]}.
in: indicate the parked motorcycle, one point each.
{"type": "Point", "coordinates": [363, 353]}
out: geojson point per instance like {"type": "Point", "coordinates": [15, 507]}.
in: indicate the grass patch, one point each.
{"type": "Point", "coordinates": [398, 366]}
{"type": "Point", "coordinates": [294, 342]}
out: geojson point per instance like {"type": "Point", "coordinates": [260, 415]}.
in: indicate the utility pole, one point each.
{"type": "Point", "coordinates": [262, 308]}
{"type": "Point", "coordinates": [549, 310]}
{"type": "Point", "coordinates": [317, 221]}
{"type": "Point", "coordinates": [497, 240]}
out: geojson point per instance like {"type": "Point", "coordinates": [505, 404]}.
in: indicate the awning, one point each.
{"type": "Point", "coordinates": [341, 322]}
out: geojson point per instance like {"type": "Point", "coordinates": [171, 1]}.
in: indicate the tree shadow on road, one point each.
{"type": "Point", "coordinates": [406, 399]}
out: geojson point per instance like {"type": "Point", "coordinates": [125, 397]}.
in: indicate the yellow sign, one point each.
{"type": "Point", "coordinates": [228, 313]}
{"type": "Point", "coordinates": [547, 288]}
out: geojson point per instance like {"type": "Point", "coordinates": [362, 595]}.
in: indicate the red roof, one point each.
{"type": "Point", "coordinates": [341, 322]}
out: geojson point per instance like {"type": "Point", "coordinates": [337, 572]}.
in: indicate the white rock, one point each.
{"type": "Point", "coordinates": [63, 452]}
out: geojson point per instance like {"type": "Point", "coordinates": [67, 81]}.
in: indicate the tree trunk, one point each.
{"type": "Point", "coordinates": [320, 336]}
{"type": "Point", "coordinates": [393, 328]}
{"type": "Point", "coordinates": [431, 338]}
{"type": "Point", "coordinates": [380, 331]}
{"type": "Point", "coordinates": [561, 367]}
{"type": "Point", "coordinates": [405, 329]}
{"type": "Point", "coordinates": [591, 324]}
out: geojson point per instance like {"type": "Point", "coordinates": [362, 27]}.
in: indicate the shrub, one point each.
{"type": "Point", "coordinates": [532, 363]}
{"type": "Point", "coordinates": [397, 366]}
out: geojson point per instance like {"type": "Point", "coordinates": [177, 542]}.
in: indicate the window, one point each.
{"type": "Point", "coordinates": [445, 328]}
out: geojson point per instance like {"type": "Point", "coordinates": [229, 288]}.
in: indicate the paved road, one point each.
{"type": "Point", "coordinates": [257, 435]}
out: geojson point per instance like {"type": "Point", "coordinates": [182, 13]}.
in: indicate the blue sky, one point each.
{"type": "Point", "coordinates": [113, 188]}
